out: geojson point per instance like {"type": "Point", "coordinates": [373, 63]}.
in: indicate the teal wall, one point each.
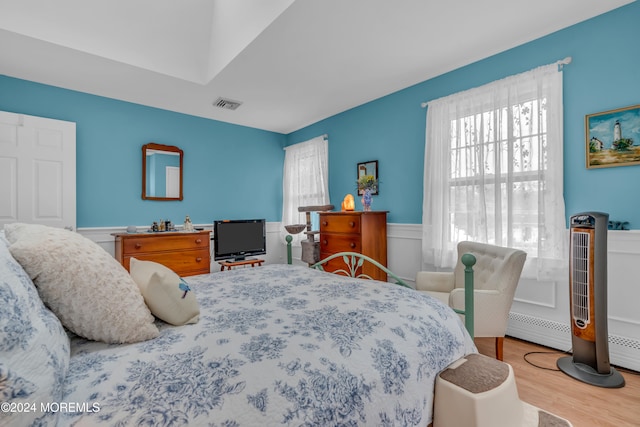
{"type": "Point", "coordinates": [235, 171]}
{"type": "Point", "coordinates": [604, 75]}
{"type": "Point", "coordinates": [230, 171]}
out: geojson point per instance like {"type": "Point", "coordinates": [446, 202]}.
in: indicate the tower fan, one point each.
{"type": "Point", "coordinates": [588, 303]}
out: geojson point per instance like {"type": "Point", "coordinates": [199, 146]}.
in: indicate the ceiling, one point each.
{"type": "Point", "coordinates": [290, 62]}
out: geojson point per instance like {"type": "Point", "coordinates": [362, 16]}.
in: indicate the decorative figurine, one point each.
{"type": "Point", "coordinates": [188, 226]}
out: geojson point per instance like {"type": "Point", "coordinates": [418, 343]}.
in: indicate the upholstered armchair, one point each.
{"type": "Point", "coordinates": [496, 274]}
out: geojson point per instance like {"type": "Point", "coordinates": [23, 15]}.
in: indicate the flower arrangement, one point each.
{"type": "Point", "coordinates": [367, 182]}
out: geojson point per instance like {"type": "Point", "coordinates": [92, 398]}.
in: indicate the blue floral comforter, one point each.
{"type": "Point", "coordinates": [275, 345]}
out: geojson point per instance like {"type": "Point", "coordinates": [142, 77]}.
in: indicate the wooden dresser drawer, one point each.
{"type": "Point", "coordinates": [184, 253]}
{"type": "Point", "coordinates": [340, 224]}
{"type": "Point", "coordinates": [168, 243]}
{"type": "Point", "coordinates": [333, 243]}
{"type": "Point", "coordinates": [181, 262]}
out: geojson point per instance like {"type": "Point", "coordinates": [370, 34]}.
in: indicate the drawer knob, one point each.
{"type": "Point", "coordinates": [325, 223]}
{"type": "Point", "coordinates": [138, 245]}
{"type": "Point", "coordinates": [198, 240]}
{"type": "Point", "coordinates": [352, 224]}
{"type": "Point", "coordinates": [198, 259]}
{"type": "Point", "coordinates": [352, 245]}
{"type": "Point", "coordinates": [324, 242]}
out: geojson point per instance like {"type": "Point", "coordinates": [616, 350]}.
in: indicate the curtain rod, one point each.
{"type": "Point", "coordinates": [323, 136]}
{"type": "Point", "coordinates": [561, 63]}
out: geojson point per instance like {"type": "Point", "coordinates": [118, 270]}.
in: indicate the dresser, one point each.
{"type": "Point", "coordinates": [185, 253]}
{"type": "Point", "coordinates": [354, 231]}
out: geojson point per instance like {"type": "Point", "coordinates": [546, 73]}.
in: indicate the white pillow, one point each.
{"type": "Point", "coordinates": [89, 291]}
{"type": "Point", "coordinates": [168, 296]}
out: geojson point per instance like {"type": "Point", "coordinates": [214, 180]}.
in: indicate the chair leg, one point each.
{"type": "Point", "coordinates": [499, 348]}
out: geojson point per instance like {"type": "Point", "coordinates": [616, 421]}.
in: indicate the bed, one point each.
{"type": "Point", "coordinates": [273, 345]}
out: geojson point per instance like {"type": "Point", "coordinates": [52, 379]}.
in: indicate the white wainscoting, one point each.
{"type": "Point", "coordinates": [540, 311]}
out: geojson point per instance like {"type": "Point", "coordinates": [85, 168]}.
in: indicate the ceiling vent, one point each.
{"type": "Point", "coordinates": [227, 104]}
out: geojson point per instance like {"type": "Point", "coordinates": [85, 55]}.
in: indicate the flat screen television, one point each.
{"type": "Point", "coordinates": [237, 239]}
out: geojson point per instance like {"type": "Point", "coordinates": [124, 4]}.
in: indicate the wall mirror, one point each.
{"type": "Point", "coordinates": [161, 172]}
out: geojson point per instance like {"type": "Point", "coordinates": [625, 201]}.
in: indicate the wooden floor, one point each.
{"type": "Point", "coordinates": [554, 391]}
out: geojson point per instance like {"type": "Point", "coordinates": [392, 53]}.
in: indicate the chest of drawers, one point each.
{"type": "Point", "coordinates": [361, 232]}
{"type": "Point", "coordinates": [185, 253]}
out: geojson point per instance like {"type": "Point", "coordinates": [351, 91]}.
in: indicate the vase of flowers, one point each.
{"type": "Point", "coordinates": [367, 184]}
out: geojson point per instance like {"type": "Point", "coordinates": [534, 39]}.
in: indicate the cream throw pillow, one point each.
{"type": "Point", "coordinates": [168, 296]}
{"type": "Point", "coordinates": [87, 289]}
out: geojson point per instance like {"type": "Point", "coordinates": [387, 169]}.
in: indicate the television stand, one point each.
{"type": "Point", "coordinates": [230, 264]}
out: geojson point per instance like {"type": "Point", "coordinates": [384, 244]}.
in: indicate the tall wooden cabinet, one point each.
{"type": "Point", "coordinates": [354, 231]}
{"type": "Point", "coordinates": [187, 254]}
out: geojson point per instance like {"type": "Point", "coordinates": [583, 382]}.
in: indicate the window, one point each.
{"type": "Point", "coordinates": [305, 180]}
{"type": "Point", "coordinates": [493, 171]}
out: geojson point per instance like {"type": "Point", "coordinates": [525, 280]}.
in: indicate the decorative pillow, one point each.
{"type": "Point", "coordinates": [34, 348]}
{"type": "Point", "coordinates": [168, 296]}
{"type": "Point", "coordinates": [89, 291]}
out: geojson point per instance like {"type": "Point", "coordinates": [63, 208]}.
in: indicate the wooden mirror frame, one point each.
{"type": "Point", "coordinates": [158, 147]}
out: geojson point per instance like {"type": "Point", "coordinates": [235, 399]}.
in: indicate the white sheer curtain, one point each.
{"type": "Point", "coordinates": [306, 180]}
{"type": "Point", "coordinates": [493, 171]}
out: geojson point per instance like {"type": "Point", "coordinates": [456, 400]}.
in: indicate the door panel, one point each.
{"type": "Point", "coordinates": [8, 189]}
{"type": "Point", "coordinates": [47, 186]}
{"type": "Point", "coordinates": [172, 181]}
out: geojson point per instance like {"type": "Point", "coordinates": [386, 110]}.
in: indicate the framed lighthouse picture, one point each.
{"type": "Point", "coordinates": [613, 138]}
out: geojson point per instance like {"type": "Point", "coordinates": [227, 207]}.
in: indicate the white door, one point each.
{"type": "Point", "coordinates": [172, 175]}
{"type": "Point", "coordinates": [37, 170]}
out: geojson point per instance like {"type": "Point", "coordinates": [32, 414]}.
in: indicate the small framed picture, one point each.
{"type": "Point", "coordinates": [368, 168]}
{"type": "Point", "coordinates": [613, 138]}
